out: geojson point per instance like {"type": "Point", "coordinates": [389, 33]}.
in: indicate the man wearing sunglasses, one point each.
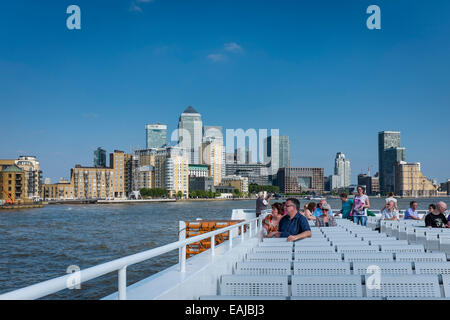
{"type": "Point", "coordinates": [293, 226]}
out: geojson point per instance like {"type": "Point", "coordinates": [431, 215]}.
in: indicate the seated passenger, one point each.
{"type": "Point", "coordinates": [318, 211]}
{"type": "Point", "coordinates": [309, 209]}
{"type": "Point", "coordinates": [293, 225]}
{"type": "Point", "coordinates": [431, 208]}
{"type": "Point", "coordinates": [325, 220]}
{"type": "Point", "coordinates": [411, 212]}
{"type": "Point", "coordinates": [390, 213]}
{"type": "Point", "coordinates": [270, 223]}
{"type": "Point", "coordinates": [437, 219]}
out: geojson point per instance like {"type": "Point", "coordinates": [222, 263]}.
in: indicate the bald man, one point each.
{"type": "Point", "coordinates": [437, 219]}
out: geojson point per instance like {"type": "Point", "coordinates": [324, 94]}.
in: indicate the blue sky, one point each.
{"type": "Point", "coordinates": [310, 68]}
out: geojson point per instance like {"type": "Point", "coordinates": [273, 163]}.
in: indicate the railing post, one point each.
{"type": "Point", "coordinates": [250, 229]}
{"type": "Point", "coordinates": [123, 283]}
{"type": "Point", "coordinates": [230, 239]}
{"type": "Point", "coordinates": [242, 233]}
{"type": "Point", "coordinates": [182, 250]}
{"type": "Point", "coordinates": [213, 245]}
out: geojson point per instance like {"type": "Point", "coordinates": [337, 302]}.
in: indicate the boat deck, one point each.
{"type": "Point", "coordinates": [343, 262]}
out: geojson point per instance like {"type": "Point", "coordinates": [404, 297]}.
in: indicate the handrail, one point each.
{"type": "Point", "coordinates": [45, 288]}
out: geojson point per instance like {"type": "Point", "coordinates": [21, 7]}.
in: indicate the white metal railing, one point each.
{"type": "Point", "coordinates": [48, 287]}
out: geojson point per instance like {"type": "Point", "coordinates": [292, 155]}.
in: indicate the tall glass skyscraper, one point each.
{"type": "Point", "coordinates": [389, 153]}
{"type": "Point", "coordinates": [100, 158]}
{"type": "Point", "coordinates": [190, 133]}
{"type": "Point", "coordinates": [156, 135]}
{"type": "Point", "coordinates": [278, 149]}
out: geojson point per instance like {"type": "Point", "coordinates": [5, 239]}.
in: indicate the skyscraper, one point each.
{"type": "Point", "coordinates": [278, 150]}
{"type": "Point", "coordinates": [190, 134]}
{"type": "Point", "coordinates": [342, 170]}
{"type": "Point", "coordinates": [156, 135]}
{"type": "Point", "coordinates": [389, 153]}
{"type": "Point", "coordinates": [100, 158]}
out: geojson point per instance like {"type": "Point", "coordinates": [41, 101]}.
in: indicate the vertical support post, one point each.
{"type": "Point", "coordinates": [242, 233]}
{"type": "Point", "coordinates": [123, 283]}
{"type": "Point", "coordinates": [213, 245]}
{"type": "Point", "coordinates": [182, 250]}
{"type": "Point", "coordinates": [230, 239]}
{"type": "Point", "coordinates": [250, 229]}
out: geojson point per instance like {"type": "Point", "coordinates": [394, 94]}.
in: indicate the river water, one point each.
{"type": "Point", "coordinates": [40, 244]}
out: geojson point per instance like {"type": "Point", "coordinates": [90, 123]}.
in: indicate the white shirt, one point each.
{"type": "Point", "coordinates": [391, 199]}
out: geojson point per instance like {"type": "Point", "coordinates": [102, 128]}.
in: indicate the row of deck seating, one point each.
{"type": "Point", "coordinates": [338, 263]}
{"type": "Point", "coordinates": [413, 231]}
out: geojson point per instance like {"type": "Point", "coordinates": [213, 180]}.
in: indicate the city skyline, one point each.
{"type": "Point", "coordinates": [309, 74]}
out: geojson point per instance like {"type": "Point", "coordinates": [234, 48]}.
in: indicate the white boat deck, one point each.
{"type": "Point", "coordinates": [343, 262]}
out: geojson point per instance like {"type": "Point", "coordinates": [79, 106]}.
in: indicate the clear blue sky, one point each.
{"type": "Point", "coordinates": [310, 68]}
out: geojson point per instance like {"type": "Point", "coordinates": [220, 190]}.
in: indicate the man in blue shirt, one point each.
{"type": "Point", "coordinates": [411, 212]}
{"type": "Point", "coordinates": [293, 226]}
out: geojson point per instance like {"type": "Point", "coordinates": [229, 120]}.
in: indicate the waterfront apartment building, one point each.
{"type": "Point", "coordinates": [190, 134]}
{"type": "Point", "coordinates": [203, 183]}
{"type": "Point", "coordinates": [100, 158]}
{"type": "Point", "coordinates": [238, 182]}
{"type": "Point", "coordinates": [212, 155]}
{"type": "Point", "coordinates": [300, 179]}
{"type": "Point", "coordinates": [32, 174]}
{"type": "Point", "coordinates": [410, 182]}
{"type": "Point", "coordinates": [389, 153]}
{"type": "Point", "coordinates": [117, 163]}
{"type": "Point", "coordinates": [12, 184]}
{"type": "Point", "coordinates": [170, 168]}
{"type": "Point", "coordinates": [156, 135]}
{"type": "Point", "coordinates": [63, 190]}
{"type": "Point", "coordinates": [342, 170]}
{"type": "Point", "coordinates": [92, 183]}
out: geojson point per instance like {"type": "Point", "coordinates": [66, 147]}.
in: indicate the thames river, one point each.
{"type": "Point", "coordinates": [40, 244]}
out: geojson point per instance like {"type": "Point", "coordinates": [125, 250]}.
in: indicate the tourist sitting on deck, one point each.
{"type": "Point", "coordinates": [411, 212]}
{"type": "Point", "coordinates": [390, 198]}
{"type": "Point", "coordinates": [431, 208]}
{"type": "Point", "coordinates": [325, 220]}
{"type": "Point", "coordinates": [270, 223]}
{"type": "Point", "coordinates": [309, 209]}
{"type": "Point", "coordinates": [437, 219]}
{"type": "Point", "coordinates": [293, 225]}
{"type": "Point", "coordinates": [318, 211]}
{"type": "Point", "coordinates": [346, 206]}
{"type": "Point", "coordinates": [389, 213]}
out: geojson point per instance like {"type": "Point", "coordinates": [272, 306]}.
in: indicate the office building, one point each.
{"type": "Point", "coordinates": [342, 170]}
{"type": "Point", "coordinates": [190, 134]}
{"type": "Point", "coordinates": [203, 183]}
{"type": "Point", "coordinates": [410, 182]}
{"type": "Point", "coordinates": [100, 158]}
{"type": "Point", "coordinates": [257, 173]}
{"type": "Point", "coordinates": [277, 149]}
{"type": "Point", "coordinates": [238, 182]}
{"type": "Point", "coordinates": [389, 153]}
{"type": "Point", "coordinates": [300, 179]}
{"type": "Point", "coordinates": [198, 170]}
{"type": "Point", "coordinates": [156, 135]}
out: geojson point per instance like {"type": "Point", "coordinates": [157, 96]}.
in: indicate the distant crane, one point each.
{"type": "Point", "coordinates": [11, 201]}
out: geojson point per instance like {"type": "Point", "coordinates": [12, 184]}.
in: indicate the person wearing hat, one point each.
{"type": "Point", "coordinates": [325, 220]}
